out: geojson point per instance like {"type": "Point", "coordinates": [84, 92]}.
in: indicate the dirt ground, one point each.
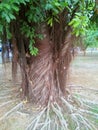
{"type": "Point", "coordinates": [15, 114]}
{"type": "Point", "coordinates": [83, 76]}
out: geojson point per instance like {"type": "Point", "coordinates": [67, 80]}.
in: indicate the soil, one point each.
{"type": "Point", "coordinates": [83, 76]}
{"type": "Point", "coordinates": [15, 113]}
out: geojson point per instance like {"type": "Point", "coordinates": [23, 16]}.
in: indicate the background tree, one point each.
{"type": "Point", "coordinates": [43, 34]}
{"type": "Point", "coordinates": [89, 40]}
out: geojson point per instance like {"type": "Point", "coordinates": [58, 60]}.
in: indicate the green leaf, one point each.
{"type": "Point", "coordinates": [16, 8]}
{"type": "Point", "coordinates": [48, 6]}
{"type": "Point", "coordinates": [40, 36]}
{"type": "Point", "coordinates": [33, 50]}
{"type": "Point", "coordinates": [11, 16]}
{"type": "Point", "coordinates": [50, 22]}
{"type": "Point", "coordinates": [7, 6]}
{"type": "Point", "coordinates": [1, 28]}
{"type": "Point", "coordinates": [8, 18]}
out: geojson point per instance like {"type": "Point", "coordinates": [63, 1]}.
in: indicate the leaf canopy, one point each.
{"type": "Point", "coordinates": [79, 13]}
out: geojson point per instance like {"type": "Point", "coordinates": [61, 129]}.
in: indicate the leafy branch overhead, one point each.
{"type": "Point", "coordinates": [79, 14]}
{"type": "Point", "coordinates": [91, 37]}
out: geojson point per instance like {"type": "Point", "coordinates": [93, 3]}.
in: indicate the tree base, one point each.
{"type": "Point", "coordinates": [73, 114]}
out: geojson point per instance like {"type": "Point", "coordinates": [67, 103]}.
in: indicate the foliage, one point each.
{"type": "Point", "coordinates": [55, 7]}
{"type": "Point", "coordinates": [82, 18]}
{"type": "Point", "coordinates": [30, 33]}
{"type": "Point", "coordinates": [90, 39]}
{"type": "Point", "coordinates": [8, 10]}
{"type": "Point", "coordinates": [79, 14]}
{"type": "Point", "coordinates": [79, 24]}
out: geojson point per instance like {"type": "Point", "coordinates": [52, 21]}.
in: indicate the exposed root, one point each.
{"type": "Point", "coordinates": [11, 111]}
{"type": "Point", "coordinates": [3, 97]}
{"type": "Point", "coordinates": [3, 104]}
{"type": "Point", "coordinates": [68, 116]}
{"type": "Point", "coordinates": [34, 124]}
{"type": "Point", "coordinates": [57, 110]}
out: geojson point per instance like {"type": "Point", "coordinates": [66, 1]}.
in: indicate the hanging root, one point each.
{"type": "Point", "coordinates": [74, 114]}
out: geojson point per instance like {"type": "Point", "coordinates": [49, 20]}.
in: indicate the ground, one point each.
{"type": "Point", "coordinates": [84, 75]}
{"type": "Point", "coordinates": [15, 114]}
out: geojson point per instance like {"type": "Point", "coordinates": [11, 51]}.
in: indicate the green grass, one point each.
{"type": "Point", "coordinates": [94, 109]}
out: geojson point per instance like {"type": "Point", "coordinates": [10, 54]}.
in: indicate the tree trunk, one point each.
{"type": "Point", "coordinates": [48, 71]}
{"type": "Point", "coordinates": [44, 76]}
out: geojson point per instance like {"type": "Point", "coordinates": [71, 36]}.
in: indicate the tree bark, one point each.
{"type": "Point", "coordinates": [47, 73]}
{"type": "Point", "coordinates": [44, 76]}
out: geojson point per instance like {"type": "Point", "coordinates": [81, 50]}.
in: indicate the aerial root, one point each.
{"type": "Point", "coordinates": [55, 117]}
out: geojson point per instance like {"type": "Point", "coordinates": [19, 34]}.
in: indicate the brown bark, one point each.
{"type": "Point", "coordinates": [48, 73]}
{"type": "Point", "coordinates": [19, 56]}
{"type": "Point", "coordinates": [15, 58]}
{"type": "Point", "coordinates": [44, 76]}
